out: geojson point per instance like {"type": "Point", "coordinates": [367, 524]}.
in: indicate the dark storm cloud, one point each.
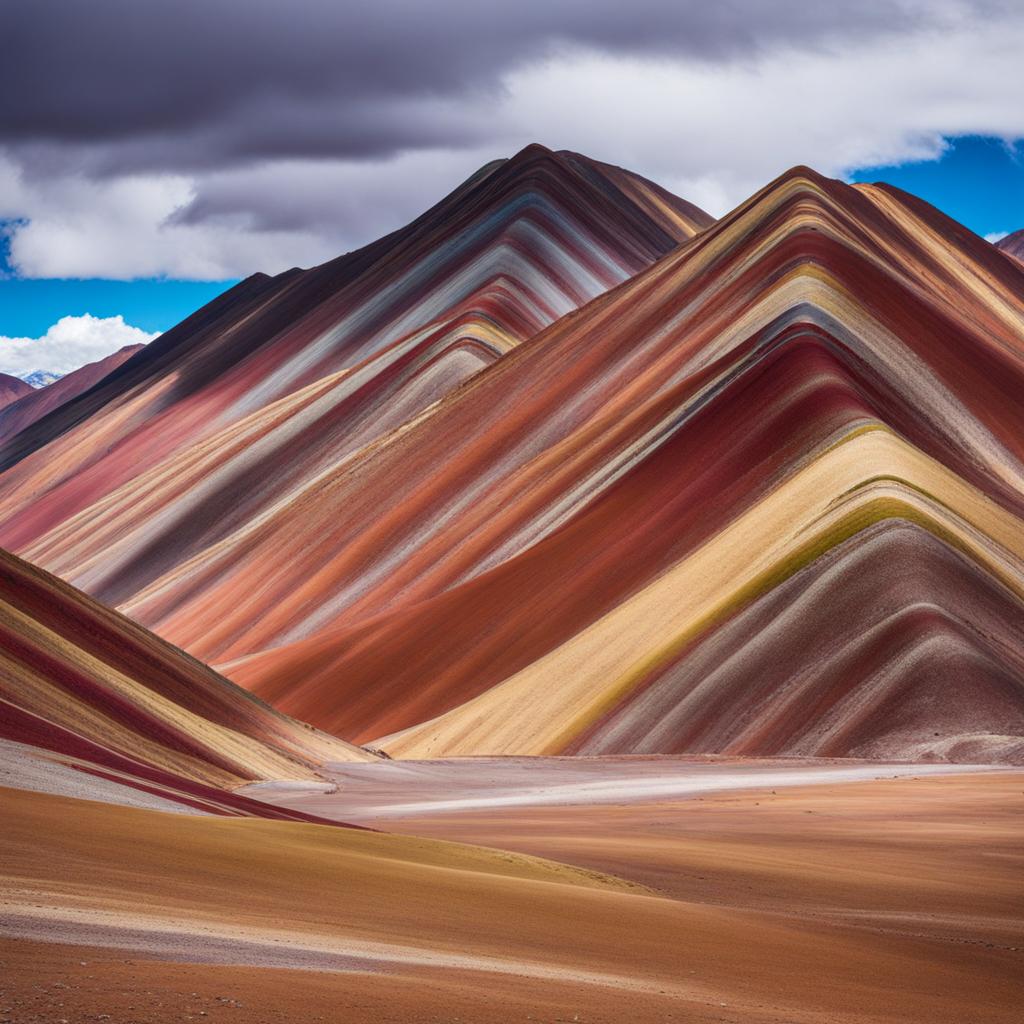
{"type": "Point", "coordinates": [211, 138]}
{"type": "Point", "coordinates": [116, 85]}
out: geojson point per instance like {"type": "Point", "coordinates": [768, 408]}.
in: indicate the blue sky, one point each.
{"type": "Point", "coordinates": [29, 306]}
{"type": "Point", "coordinates": [72, 321]}
{"type": "Point", "coordinates": [978, 181]}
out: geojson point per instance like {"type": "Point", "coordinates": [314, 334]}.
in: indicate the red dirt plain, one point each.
{"type": "Point", "coordinates": [895, 899]}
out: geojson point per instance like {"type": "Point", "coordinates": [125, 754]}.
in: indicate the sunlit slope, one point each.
{"type": "Point", "coordinates": [944, 674]}
{"type": "Point", "coordinates": [825, 354]}
{"type": "Point", "coordinates": [83, 682]}
{"type": "Point", "coordinates": [236, 411]}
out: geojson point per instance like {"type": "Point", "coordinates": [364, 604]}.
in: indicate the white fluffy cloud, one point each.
{"type": "Point", "coordinates": [718, 132]}
{"type": "Point", "coordinates": [712, 130]}
{"type": "Point", "coordinates": [996, 236]}
{"type": "Point", "coordinates": [223, 224]}
{"type": "Point", "coordinates": [70, 343]}
{"type": "Point", "coordinates": [71, 226]}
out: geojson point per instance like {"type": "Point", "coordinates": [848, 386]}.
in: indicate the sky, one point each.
{"type": "Point", "coordinates": [978, 181]}
{"type": "Point", "coordinates": [151, 154]}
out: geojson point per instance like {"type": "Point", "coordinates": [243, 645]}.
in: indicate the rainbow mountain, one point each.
{"type": "Point", "coordinates": [565, 467]}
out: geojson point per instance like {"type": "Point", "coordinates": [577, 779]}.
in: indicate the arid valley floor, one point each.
{"type": "Point", "coordinates": [658, 890]}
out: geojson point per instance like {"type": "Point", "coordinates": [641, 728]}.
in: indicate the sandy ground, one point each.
{"type": "Point", "coordinates": [839, 898]}
{"type": "Point", "coordinates": [899, 847]}
{"type": "Point", "coordinates": [382, 791]}
{"type": "Point", "coordinates": [30, 768]}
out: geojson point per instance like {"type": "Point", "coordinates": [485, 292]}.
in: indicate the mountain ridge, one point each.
{"type": "Point", "coordinates": [471, 329]}
{"type": "Point", "coordinates": [511, 565]}
{"type": "Point", "coordinates": [63, 388]}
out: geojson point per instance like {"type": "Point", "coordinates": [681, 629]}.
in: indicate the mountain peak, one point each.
{"type": "Point", "coordinates": [803, 171]}
{"type": "Point", "coordinates": [12, 388]}
{"type": "Point", "coordinates": [1013, 245]}
{"type": "Point", "coordinates": [533, 151]}
{"type": "Point", "coordinates": [41, 378]}
{"type": "Point", "coordinates": [515, 247]}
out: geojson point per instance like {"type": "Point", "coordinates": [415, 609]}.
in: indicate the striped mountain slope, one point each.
{"type": "Point", "coordinates": [764, 496]}
{"type": "Point", "coordinates": [83, 684]}
{"type": "Point", "coordinates": [510, 572]}
{"type": "Point", "coordinates": [281, 380]}
{"type": "Point", "coordinates": [33, 405]}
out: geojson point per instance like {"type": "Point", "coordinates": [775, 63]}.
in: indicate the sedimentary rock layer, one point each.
{"type": "Point", "coordinates": [86, 686]}
{"type": "Point", "coordinates": [765, 496]}
{"type": "Point", "coordinates": [245, 405]}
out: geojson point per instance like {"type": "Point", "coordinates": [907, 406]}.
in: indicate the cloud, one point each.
{"type": "Point", "coordinates": [71, 226]}
{"type": "Point", "coordinates": [996, 236]}
{"type": "Point", "coordinates": [70, 343]}
{"type": "Point", "coordinates": [244, 79]}
{"type": "Point", "coordinates": [258, 137]}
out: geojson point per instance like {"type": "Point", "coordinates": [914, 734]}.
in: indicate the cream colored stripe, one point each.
{"type": "Point", "coordinates": [867, 476]}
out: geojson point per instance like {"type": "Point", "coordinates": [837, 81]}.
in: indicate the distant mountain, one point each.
{"type": "Point", "coordinates": [12, 388]}
{"type": "Point", "coordinates": [41, 378]}
{"type": "Point", "coordinates": [1013, 245]}
{"type": "Point", "coordinates": [62, 388]}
